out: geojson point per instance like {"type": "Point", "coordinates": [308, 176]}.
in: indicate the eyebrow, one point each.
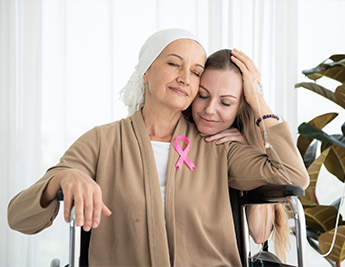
{"type": "Point", "coordinates": [203, 87]}
{"type": "Point", "coordinates": [181, 58]}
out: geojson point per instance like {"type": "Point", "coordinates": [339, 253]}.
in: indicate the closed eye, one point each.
{"type": "Point", "coordinates": [196, 73]}
{"type": "Point", "coordinates": [202, 97]}
{"type": "Point", "coordinates": [173, 64]}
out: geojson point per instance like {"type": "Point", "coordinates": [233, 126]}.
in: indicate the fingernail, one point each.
{"type": "Point", "coordinates": [94, 225]}
{"type": "Point", "coordinates": [80, 223]}
{"type": "Point", "coordinates": [86, 228]}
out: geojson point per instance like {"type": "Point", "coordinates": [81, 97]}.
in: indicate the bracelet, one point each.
{"type": "Point", "coordinates": [267, 116]}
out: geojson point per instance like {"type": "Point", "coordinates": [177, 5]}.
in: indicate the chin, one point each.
{"type": "Point", "coordinates": [207, 131]}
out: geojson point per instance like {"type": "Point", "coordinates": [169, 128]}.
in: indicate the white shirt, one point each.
{"type": "Point", "coordinates": [161, 152]}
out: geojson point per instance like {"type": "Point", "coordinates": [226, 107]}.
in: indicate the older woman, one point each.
{"type": "Point", "coordinates": [154, 156]}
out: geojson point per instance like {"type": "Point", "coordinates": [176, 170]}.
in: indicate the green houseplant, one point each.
{"type": "Point", "coordinates": [320, 219]}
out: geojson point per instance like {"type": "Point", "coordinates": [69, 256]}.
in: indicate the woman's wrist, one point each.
{"type": "Point", "coordinates": [267, 116]}
{"type": "Point", "coordinates": [49, 193]}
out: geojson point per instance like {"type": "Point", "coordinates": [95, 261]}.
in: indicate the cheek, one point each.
{"type": "Point", "coordinates": [193, 93]}
{"type": "Point", "coordinates": [228, 116]}
{"type": "Point", "coordinates": [196, 105]}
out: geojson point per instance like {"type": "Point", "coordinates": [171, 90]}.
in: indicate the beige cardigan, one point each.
{"type": "Point", "coordinates": [198, 230]}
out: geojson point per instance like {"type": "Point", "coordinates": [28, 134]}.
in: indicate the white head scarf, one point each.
{"type": "Point", "coordinates": [133, 94]}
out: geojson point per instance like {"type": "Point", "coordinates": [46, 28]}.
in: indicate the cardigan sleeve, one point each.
{"type": "Point", "coordinates": [249, 168]}
{"type": "Point", "coordinates": [25, 214]}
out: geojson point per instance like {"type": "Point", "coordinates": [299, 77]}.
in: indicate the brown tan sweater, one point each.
{"type": "Point", "coordinates": [199, 227]}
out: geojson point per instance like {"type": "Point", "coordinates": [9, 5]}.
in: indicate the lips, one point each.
{"type": "Point", "coordinates": [179, 91]}
{"type": "Point", "coordinates": [208, 121]}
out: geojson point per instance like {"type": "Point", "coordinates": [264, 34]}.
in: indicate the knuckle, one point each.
{"type": "Point", "coordinates": [97, 209]}
{"type": "Point", "coordinates": [78, 201]}
{"type": "Point", "coordinates": [88, 206]}
{"type": "Point", "coordinates": [96, 217]}
{"type": "Point", "coordinates": [79, 214]}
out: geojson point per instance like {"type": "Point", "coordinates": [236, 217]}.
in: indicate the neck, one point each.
{"type": "Point", "coordinates": [160, 125]}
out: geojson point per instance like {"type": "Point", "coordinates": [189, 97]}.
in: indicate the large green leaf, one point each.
{"type": "Point", "coordinates": [337, 97]}
{"type": "Point", "coordinates": [309, 198]}
{"type": "Point", "coordinates": [321, 218]}
{"type": "Point", "coordinates": [319, 90]}
{"type": "Point", "coordinates": [337, 57]}
{"type": "Point", "coordinates": [321, 121]}
{"type": "Point", "coordinates": [334, 70]}
{"type": "Point", "coordinates": [310, 154]}
{"type": "Point", "coordinates": [340, 95]}
{"type": "Point", "coordinates": [315, 167]}
{"type": "Point", "coordinates": [339, 137]}
{"type": "Point", "coordinates": [335, 162]}
{"type": "Point", "coordinates": [325, 241]}
{"type": "Point", "coordinates": [313, 132]}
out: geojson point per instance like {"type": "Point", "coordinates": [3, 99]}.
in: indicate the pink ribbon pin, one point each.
{"type": "Point", "coordinates": [183, 153]}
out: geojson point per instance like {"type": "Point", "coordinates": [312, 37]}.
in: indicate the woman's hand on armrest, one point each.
{"type": "Point", "coordinates": [84, 191]}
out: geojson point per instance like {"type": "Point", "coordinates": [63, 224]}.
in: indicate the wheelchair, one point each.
{"type": "Point", "coordinates": [268, 194]}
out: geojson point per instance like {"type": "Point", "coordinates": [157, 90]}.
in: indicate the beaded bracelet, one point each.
{"type": "Point", "coordinates": [267, 116]}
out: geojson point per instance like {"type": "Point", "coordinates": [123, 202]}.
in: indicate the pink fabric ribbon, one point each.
{"type": "Point", "coordinates": [183, 153]}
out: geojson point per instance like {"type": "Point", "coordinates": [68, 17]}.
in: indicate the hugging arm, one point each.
{"type": "Point", "coordinates": [229, 135]}
{"type": "Point", "coordinates": [260, 218]}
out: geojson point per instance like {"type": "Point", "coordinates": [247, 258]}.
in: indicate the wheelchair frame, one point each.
{"type": "Point", "coordinates": [277, 194]}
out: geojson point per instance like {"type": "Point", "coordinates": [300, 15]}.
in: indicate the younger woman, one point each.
{"type": "Point", "coordinates": [226, 109]}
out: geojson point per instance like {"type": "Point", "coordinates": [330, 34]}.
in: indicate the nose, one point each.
{"type": "Point", "coordinates": [211, 108]}
{"type": "Point", "coordinates": [184, 76]}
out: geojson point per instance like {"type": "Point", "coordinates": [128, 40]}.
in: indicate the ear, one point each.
{"type": "Point", "coordinates": [145, 78]}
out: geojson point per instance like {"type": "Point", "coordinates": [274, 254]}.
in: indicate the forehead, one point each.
{"type": "Point", "coordinates": [186, 48]}
{"type": "Point", "coordinates": [222, 82]}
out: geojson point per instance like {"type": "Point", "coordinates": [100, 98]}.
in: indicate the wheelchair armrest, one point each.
{"type": "Point", "coordinates": [269, 194]}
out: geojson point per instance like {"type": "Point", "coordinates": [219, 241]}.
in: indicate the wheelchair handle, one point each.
{"type": "Point", "coordinates": [59, 195]}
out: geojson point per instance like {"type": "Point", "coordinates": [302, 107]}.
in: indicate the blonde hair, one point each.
{"type": "Point", "coordinates": [245, 123]}
{"type": "Point", "coordinates": [281, 231]}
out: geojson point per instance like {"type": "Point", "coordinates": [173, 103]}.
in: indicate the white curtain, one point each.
{"type": "Point", "coordinates": [20, 113]}
{"type": "Point", "coordinates": [267, 32]}
{"type": "Point", "coordinates": [62, 63]}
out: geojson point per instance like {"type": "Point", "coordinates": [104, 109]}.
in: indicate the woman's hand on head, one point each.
{"type": "Point", "coordinates": [231, 134]}
{"type": "Point", "coordinates": [86, 194]}
{"type": "Point", "coordinates": [249, 74]}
